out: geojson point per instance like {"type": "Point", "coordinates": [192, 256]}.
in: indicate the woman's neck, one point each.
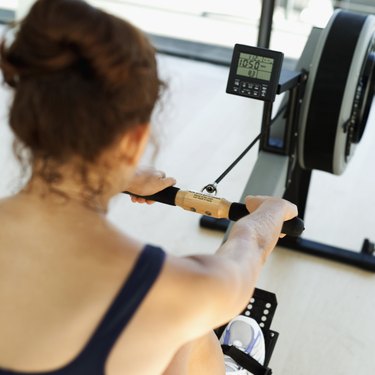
{"type": "Point", "coordinates": [66, 191]}
{"type": "Point", "coordinates": [92, 187]}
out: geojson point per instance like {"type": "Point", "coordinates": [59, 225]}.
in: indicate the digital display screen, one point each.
{"type": "Point", "coordinates": [255, 66]}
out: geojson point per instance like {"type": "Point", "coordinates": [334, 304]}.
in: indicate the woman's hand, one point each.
{"type": "Point", "coordinates": [148, 181]}
{"type": "Point", "coordinates": [288, 209]}
{"type": "Point", "coordinates": [265, 222]}
{"type": "Point", "coordinates": [270, 214]}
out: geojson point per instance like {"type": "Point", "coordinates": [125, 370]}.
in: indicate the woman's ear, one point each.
{"type": "Point", "coordinates": [133, 143]}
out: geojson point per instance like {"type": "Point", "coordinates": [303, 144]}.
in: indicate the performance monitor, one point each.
{"type": "Point", "coordinates": [254, 72]}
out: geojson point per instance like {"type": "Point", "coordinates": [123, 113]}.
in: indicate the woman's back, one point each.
{"type": "Point", "coordinates": [61, 267]}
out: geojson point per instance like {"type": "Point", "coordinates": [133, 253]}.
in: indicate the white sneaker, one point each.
{"type": "Point", "coordinates": [245, 334]}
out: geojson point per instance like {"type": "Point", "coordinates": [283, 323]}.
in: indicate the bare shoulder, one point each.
{"type": "Point", "coordinates": [190, 295]}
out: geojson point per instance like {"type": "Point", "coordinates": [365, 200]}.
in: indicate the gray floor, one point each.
{"type": "Point", "coordinates": [326, 310]}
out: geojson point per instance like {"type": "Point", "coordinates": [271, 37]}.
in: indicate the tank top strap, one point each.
{"type": "Point", "coordinates": [135, 288]}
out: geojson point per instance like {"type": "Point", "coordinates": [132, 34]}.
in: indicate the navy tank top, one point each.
{"type": "Point", "coordinates": [92, 359]}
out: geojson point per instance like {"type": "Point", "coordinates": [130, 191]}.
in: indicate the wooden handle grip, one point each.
{"type": "Point", "coordinates": [215, 207]}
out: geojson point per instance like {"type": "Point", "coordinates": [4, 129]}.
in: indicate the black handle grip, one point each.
{"type": "Point", "coordinates": [166, 196]}
{"type": "Point", "coordinates": [293, 227]}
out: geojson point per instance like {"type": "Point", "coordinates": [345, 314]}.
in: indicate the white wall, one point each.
{"type": "Point", "coordinates": [23, 7]}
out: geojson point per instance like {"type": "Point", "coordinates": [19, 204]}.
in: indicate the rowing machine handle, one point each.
{"type": "Point", "coordinates": [215, 207]}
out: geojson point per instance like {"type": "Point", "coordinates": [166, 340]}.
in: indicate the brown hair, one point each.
{"type": "Point", "coordinates": [82, 78]}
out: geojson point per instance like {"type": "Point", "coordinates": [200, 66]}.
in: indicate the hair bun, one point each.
{"type": "Point", "coordinates": [85, 78]}
{"type": "Point", "coordinates": [58, 34]}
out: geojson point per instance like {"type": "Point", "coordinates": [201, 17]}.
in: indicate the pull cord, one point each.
{"type": "Point", "coordinates": [212, 188]}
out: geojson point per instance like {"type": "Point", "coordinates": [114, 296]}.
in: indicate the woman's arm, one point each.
{"type": "Point", "coordinates": [210, 290]}
{"type": "Point", "coordinates": [215, 288]}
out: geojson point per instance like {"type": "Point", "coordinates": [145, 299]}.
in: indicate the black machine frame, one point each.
{"type": "Point", "coordinates": [298, 179]}
{"type": "Point", "coordinates": [283, 161]}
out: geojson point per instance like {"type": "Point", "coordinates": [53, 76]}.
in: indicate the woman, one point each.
{"type": "Point", "coordinates": [77, 295]}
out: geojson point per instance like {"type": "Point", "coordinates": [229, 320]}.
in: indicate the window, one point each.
{"type": "Point", "coordinates": [221, 23]}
